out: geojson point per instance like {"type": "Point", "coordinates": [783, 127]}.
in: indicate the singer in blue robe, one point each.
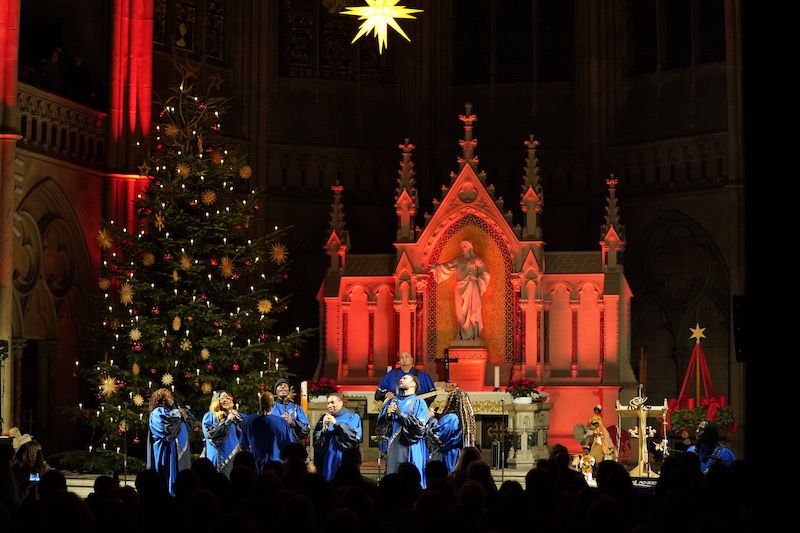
{"type": "Point", "coordinates": [290, 411]}
{"type": "Point", "coordinates": [222, 432]}
{"type": "Point", "coordinates": [338, 430]}
{"type": "Point", "coordinates": [165, 427]}
{"type": "Point", "coordinates": [447, 435]}
{"type": "Point", "coordinates": [404, 418]}
{"type": "Point", "coordinates": [264, 434]}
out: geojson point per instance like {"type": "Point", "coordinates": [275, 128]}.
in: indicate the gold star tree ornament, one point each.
{"type": "Point", "coordinates": [378, 15]}
{"type": "Point", "coordinates": [278, 253]}
{"type": "Point", "coordinates": [697, 333]}
{"type": "Point", "coordinates": [108, 386]}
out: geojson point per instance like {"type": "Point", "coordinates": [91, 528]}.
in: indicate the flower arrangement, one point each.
{"type": "Point", "coordinates": [521, 388]}
{"type": "Point", "coordinates": [322, 387]}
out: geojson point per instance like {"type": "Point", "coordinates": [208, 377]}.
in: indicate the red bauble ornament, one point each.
{"type": "Point", "coordinates": [152, 370]}
{"type": "Point", "coordinates": [210, 366]}
{"type": "Point", "coordinates": [189, 318]}
{"type": "Point", "coordinates": [235, 367]}
{"type": "Point", "coordinates": [120, 431]}
{"type": "Point", "coordinates": [155, 310]}
{"type": "Point", "coordinates": [137, 347]}
{"type": "Point", "coordinates": [262, 387]}
{"type": "Point", "coordinates": [213, 261]}
{"type": "Point", "coordinates": [136, 440]}
{"type": "Point", "coordinates": [296, 353]}
{"type": "Point", "coordinates": [168, 256]}
{"type": "Point", "coordinates": [286, 276]}
{"type": "Point", "coordinates": [257, 207]}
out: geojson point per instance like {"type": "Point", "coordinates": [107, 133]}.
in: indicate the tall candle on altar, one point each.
{"type": "Point", "coordinates": [496, 377]}
{"type": "Point", "coordinates": [304, 395]}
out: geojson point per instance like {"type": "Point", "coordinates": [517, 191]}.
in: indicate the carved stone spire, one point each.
{"type": "Point", "coordinates": [406, 195]}
{"type": "Point", "coordinates": [339, 238]}
{"type": "Point", "coordinates": [612, 232]}
{"type": "Point", "coordinates": [532, 201]}
{"type": "Point", "coordinates": [468, 144]}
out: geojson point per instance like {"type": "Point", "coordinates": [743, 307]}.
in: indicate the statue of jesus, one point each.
{"type": "Point", "coordinates": [472, 279]}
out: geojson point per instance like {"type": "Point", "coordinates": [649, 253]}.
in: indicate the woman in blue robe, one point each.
{"type": "Point", "coordinates": [448, 435]}
{"type": "Point", "coordinates": [222, 432]}
{"type": "Point", "coordinates": [403, 419]}
{"type": "Point", "coordinates": [166, 425]}
{"type": "Point", "coordinates": [338, 430]}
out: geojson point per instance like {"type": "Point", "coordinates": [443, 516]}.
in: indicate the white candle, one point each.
{"type": "Point", "coordinates": [496, 377]}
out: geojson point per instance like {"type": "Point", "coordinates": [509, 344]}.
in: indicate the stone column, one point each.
{"type": "Point", "coordinates": [573, 367]}
{"type": "Point", "coordinates": [371, 307]}
{"type": "Point", "coordinates": [345, 310]}
{"type": "Point", "coordinates": [539, 355]}
{"type": "Point", "coordinates": [9, 135]}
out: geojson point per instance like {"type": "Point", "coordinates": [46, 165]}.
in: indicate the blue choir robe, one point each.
{"type": "Point", "coordinates": [406, 430]}
{"type": "Point", "coordinates": [331, 440]}
{"type": "Point", "coordinates": [445, 439]}
{"type": "Point", "coordinates": [264, 435]}
{"type": "Point", "coordinates": [719, 455]}
{"type": "Point", "coordinates": [301, 428]}
{"type": "Point", "coordinates": [222, 441]}
{"type": "Point", "coordinates": [162, 444]}
{"type": "Point", "coordinates": [391, 383]}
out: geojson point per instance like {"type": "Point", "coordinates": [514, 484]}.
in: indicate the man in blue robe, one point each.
{"type": "Point", "coordinates": [403, 418]}
{"type": "Point", "coordinates": [264, 434]}
{"type": "Point", "coordinates": [290, 411]}
{"type": "Point", "coordinates": [390, 385]}
{"type": "Point", "coordinates": [338, 430]}
{"type": "Point", "coordinates": [167, 429]}
{"type": "Point", "coordinates": [447, 435]}
{"type": "Point", "coordinates": [222, 432]}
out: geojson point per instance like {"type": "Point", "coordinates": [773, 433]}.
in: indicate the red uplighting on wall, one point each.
{"type": "Point", "coordinates": [132, 68]}
{"type": "Point", "coordinates": [9, 33]}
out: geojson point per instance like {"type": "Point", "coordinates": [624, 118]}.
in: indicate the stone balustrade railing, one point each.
{"type": "Point", "coordinates": [57, 126]}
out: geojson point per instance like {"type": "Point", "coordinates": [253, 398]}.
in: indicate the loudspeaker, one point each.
{"type": "Point", "coordinates": [738, 314]}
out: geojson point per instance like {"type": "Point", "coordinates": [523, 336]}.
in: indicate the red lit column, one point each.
{"type": "Point", "coordinates": [371, 307]}
{"type": "Point", "coordinates": [130, 107]}
{"type": "Point", "coordinates": [9, 135]}
{"type": "Point", "coordinates": [345, 315]}
{"type": "Point", "coordinates": [602, 307]}
{"type": "Point", "coordinates": [539, 357]}
{"type": "Point", "coordinates": [419, 359]}
{"type": "Point", "coordinates": [573, 367]}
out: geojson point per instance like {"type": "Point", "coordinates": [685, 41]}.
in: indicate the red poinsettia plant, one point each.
{"type": "Point", "coordinates": [521, 387]}
{"type": "Point", "coordinates": [322, 387]}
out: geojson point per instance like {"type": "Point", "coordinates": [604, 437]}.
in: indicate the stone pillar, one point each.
{"type": "Point", "coordinates": [9, 135]}
{"type": "Point", "coordinates": [419, 359]}
{"type": "Point", "coordinates": [345, 310]}
{"type": "Point", "coordinates": [539, 355]}
{"type": "Point", "coordinates": [601, 365]}
{"type": "Point", "coordinates": [573, 367]}
{"type": "Point", "coordinates": [371, 307]}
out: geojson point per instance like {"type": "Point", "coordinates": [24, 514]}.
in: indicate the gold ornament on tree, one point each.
{"type": "Point", "coordinates": [171, 130]}
{"type": "Point", "coordinates": [186, 345]}
{"type": "Point", "coordinates": [278, 253]}
{"type": "Point", "coordinates": [108, 386]}
{"type": "Point", "coordinates": [103, 283]}
{"type": "Point", "coordinates": [217, 158]}
{"type": "Point", "coordinates": [183, 170]}
{"type": "Point", "coordinates": [175, 276]}
{"type": "Point", "coordinates": [126, 294]}
{"type": "Point", "coordinates": [138, 400]}
{"type": "Point", "coordinates": [176, 323]}
{"type": "Point", "coordinates": [204, 353]}
{"type": "Point", "coordinates": [136, 369]}
{"type": "Point", "coordinates": [186, 262]}
{"type": "Point", "coordinates": [104, 240]}
{"type": "Point", "coordinates": [226, 267]}
{"type": "Point", "coordinates": [148, 259]}
{"type": "Point", "coordinates": [135, 334]}
{"type": "Point", "coordinates": [159, 223]}
{"type": "Point", "coordinates": [167, 379]}
{"type": "Point", "coordinates": [208, 197]}
{"type": "Point", "coordinates": [206, 388]}
{"type": "Point", "coordinates": [264, 306]}
{"type": "Point", "coordinates": [245, 172]}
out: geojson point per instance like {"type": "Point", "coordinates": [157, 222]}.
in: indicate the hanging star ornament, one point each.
{"type": "Point", "coordinates": [138, 400]}
{"type": "Point", "coordinates": [104, 239]}
{"type": "Point", "coordinates": [697, 333]}
{"type": "Point", "coordinates": [126, 294]}
{"type": "Point", "coordinates": [108, 386]}
{"type": "Point", "coordinates": [378, 15]}
{"type": "Point", "coordinates": [278, 253]}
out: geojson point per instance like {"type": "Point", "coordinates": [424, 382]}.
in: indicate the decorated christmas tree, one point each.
{"type": "Point", "coordinates": [190, 294]}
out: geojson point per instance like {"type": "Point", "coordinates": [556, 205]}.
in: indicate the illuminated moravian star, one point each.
{"type": "Point", "coordinates": [378, 15]}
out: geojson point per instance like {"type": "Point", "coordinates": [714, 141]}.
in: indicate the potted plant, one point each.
{"type": "Point", "coordinates": [523, 391]}
{"type": "Point", "coordinates": [321, 388]}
